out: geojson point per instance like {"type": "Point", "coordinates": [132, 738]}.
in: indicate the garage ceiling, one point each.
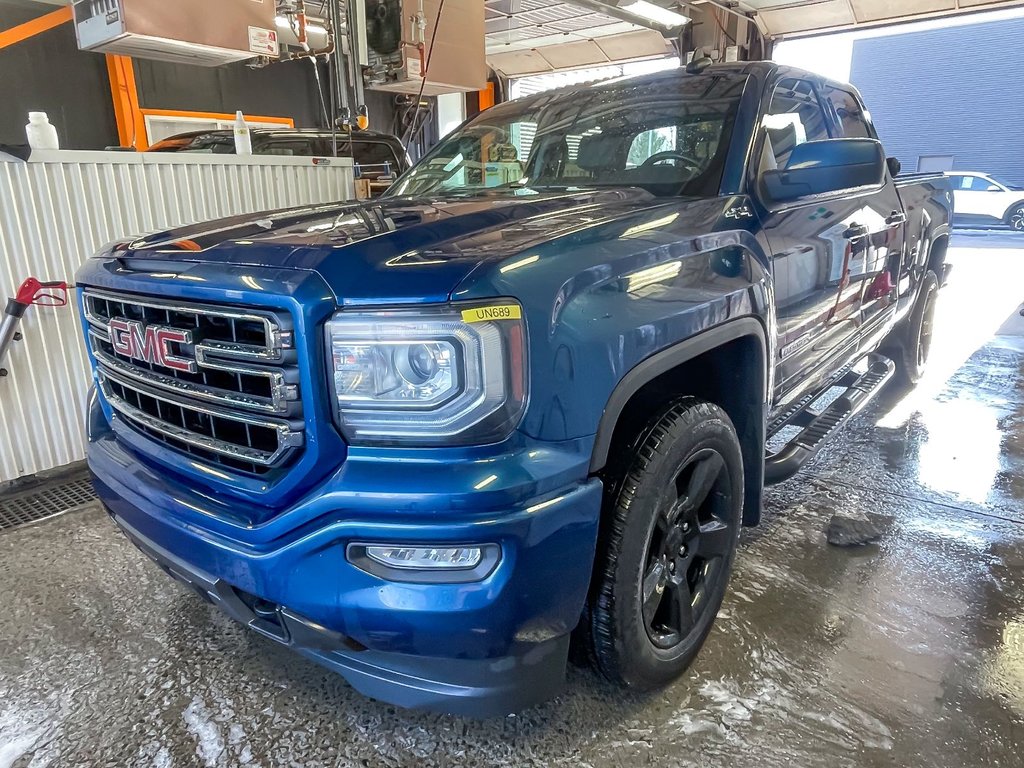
{"type": "Point", "coordinates": [787, 17]}
{"type": "Point", "coordinates": [528, 37]}
{"type": "Point", "coordinates": [523, 24]}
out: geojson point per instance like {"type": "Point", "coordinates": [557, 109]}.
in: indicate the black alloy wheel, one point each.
{"type": "Point", "coordinates": [1016, 218]}
{"type": "Point", "coordinates": [689, 547]}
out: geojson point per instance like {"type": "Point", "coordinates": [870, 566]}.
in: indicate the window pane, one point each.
{"type": "Point", "coordinates": [851, 116]}
{"type": "Point", "coordinates": [373, 153]}
{"type": "Point", "coordinates": [294, 148]}
{"type": "Point", "coordinates": [795, 116]}
{"type": "Point", "coordinates": [650, 143]}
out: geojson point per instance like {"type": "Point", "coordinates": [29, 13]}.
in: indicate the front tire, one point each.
{"type": "Point", "coordinates": [1015, 218]}
{"type": "Point", "coordinates": [672, 525]}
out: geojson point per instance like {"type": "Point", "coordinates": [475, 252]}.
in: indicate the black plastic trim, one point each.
{"type": "Point", "coordinates": [663, 362]}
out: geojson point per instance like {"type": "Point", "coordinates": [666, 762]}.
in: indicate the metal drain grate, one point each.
{"type": "Point", "coordinates": [44, 503]}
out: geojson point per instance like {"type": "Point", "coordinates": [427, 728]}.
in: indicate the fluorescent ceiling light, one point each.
{"type": "Point", "coordinates": [655, 13]}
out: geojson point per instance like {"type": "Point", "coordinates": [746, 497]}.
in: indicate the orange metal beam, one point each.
{"type": "Point", "coordinates": [34, 27]}
{"type": "Point", "coordinates": [131, 123]}
{"type": "Point", "coordinates": [487, 97]}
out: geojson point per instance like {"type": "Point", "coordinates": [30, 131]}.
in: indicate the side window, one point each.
{"type": "Point", "coordinates": [794, 117]}
{"type": "Point", "coordinates": [974, 184]}
{"type": "Point", "coordinates": [374, 153]}
{"type": "Point", "coordinates": [851, 116]}
{"type": "Point", "coordinates": [649, 143]}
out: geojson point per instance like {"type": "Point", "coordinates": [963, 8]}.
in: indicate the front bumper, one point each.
{"type": "Point", "coordinates": [482, 648]}
{"type": "Point", "coordinates": [471, 687]}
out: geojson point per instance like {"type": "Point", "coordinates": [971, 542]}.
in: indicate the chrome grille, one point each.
{"type": "Point", "coordinates": [237, 406]}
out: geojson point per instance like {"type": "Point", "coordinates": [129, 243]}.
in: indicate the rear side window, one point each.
{"type": "Point", "coordinates": [794, 117]}
{"type": "Point", "coordinates": [286, 148]}
{"type": "Point", "coordinates": [850, 114]}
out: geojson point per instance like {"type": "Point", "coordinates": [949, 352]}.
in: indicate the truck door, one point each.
{"type": "Point", "coordinates": [876, 269]}
{"type": "Point", "coordinates": [813, 244]}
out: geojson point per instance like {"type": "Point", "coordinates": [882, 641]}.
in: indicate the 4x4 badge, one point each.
{"type": "Point", "coordinates": [739, 212]}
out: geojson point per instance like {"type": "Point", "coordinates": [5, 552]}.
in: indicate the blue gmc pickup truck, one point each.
{"type": "Point", "coordinates": [527, 398]}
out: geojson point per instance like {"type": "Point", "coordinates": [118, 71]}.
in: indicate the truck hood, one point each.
{"type": "Point", "coordinates": [395, 250]}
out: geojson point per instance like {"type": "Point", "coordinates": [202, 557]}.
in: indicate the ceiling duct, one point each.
{"type": "Point", "coordinates": [415, 45]}
{"type": "Point", "coordinates": [184, 31]}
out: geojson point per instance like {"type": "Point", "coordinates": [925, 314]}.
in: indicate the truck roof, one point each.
{"type": "Point", "coordinates": [762, 70]}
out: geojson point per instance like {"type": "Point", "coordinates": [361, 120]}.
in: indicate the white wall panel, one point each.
{"type": "Point", "coordinates": [56, 210]}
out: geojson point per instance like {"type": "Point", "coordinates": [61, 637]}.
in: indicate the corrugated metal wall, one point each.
{"type": "Point", "coordinates": [58, 209]}
{"type": "Point", "coordinates": [954, 91]}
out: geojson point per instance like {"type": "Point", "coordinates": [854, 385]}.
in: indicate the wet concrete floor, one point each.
{"type": "Point", "coordinates": [908, 652]}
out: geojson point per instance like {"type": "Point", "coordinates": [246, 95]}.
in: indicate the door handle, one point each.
{"type": "Point", "coordinates": [856, 231]}
{"type": "Point", "coordinates": [895, 219]}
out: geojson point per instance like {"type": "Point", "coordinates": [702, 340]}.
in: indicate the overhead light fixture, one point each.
{"type": "Point", "coordinates": [656, 13]}
{"type": "Point", "coordinates": [641, 12]}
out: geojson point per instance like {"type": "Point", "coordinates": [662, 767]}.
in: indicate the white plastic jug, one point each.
{"type": "Point", "coordinates": [243, 139]}
{"type": "Point", "coordinates": [41, 133]}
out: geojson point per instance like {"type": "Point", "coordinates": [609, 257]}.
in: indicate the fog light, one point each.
{"type": "Point", "coordinates": [426, 558]}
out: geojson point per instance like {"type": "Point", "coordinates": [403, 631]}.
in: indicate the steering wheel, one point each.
{"type": "Point", "coordinates": [671, 154]}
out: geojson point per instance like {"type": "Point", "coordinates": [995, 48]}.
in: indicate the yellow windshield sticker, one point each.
{"type": "Point", "coordinates": [491, 314]}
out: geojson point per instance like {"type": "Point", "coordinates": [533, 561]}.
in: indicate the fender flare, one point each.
{"type": "Point", "coordinates": [661, 362]}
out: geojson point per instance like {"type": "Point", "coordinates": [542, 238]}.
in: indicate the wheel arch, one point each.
{"type": "Point", "coordinates": [937, 253]}
{"type": "Point", "coordinates": [732, 361]}
{"type": "Point", "coordinates": [1010, 208]}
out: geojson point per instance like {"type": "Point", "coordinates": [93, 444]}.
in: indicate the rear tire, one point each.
{"type": "Point", "coordinates": [915, 347]}
{"type": "Point", "coordinates": [672, 521]}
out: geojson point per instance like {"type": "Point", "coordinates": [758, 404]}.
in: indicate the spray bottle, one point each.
{"type": "Point", "coordinates": [243, 139]}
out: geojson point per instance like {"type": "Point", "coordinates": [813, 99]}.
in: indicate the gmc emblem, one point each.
{"type": "Point", "coordinates": [150, 343]}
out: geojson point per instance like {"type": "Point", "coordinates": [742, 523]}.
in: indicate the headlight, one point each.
{"type": "Point", "coordinates": [452, 376]}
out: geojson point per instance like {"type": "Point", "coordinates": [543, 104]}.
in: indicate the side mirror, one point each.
{"type": "Point", "coordinates": [827, 167]}
{"type": "Point", "coordinates": [895, 166]}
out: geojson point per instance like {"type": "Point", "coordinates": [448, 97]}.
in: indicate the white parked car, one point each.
{"type": "Point", "coordinates": [980, 199]}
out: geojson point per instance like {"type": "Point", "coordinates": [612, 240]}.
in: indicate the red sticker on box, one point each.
{"type": "Point", "coordinates": [263, 41]}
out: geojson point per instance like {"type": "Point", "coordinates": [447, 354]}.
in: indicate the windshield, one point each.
{"type": "Point", "coordinates": [668, 135]}
{"type": "Point", "coordinates": [1006, 184]}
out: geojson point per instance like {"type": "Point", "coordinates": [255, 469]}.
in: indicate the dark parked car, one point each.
{"type": "Point", "coordinates": [528, 395]}
{"type": "Point", "coordinates": [371, 149]}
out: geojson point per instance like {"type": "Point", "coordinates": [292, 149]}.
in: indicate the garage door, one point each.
{"type": "Point", "coordinates": [783, 17]}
